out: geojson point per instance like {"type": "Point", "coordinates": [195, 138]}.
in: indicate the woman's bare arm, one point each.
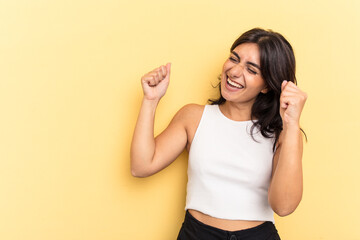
{"type": "Point", "coordinates": [286, 187]}
{"type": "Point", "coordinates": [285, 191]}
{"type": "Point", "coordinates": [148, 154]}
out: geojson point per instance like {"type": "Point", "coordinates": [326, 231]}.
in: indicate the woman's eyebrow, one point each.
{"type": "Point", "coordinates": [236, 55]}
{"type": "Point", "coordinates": [250, 63]}
{"type": "Point", "coordinates": [254, 64]}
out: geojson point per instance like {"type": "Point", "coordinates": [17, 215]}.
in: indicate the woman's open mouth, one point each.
{"type": "Point", "coordinates": [232, 85]}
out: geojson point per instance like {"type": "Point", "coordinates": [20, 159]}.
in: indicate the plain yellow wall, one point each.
{"type": "Point", "coordinates": [70, 93]}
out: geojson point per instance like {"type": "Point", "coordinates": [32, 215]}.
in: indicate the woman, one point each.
{"type": "Point", "coordinates": [245, 149]}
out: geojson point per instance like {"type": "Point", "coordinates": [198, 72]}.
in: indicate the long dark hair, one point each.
{"type": "Point", "coordinates": [277, 62]}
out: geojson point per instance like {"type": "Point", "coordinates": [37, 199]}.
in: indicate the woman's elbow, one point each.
{"type": "Point", "coordinates": [134, 173]}
{"type": "Point", "coordinates": [283, 212]}
{"type": "Point", "coordinates": [136, 167]}
{"type": "Point", "coordinates": [284, 209]}
{"type": "Point", "coordinates": [139, 174]}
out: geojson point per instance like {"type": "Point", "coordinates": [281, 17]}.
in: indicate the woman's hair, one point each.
{"type": "Point", "coordinates": [277, 63]}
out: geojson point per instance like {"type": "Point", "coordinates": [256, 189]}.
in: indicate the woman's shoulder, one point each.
{"type": "Point", "coordinates": [192, 108]}
{"type": "Point", "coordinates": [190, 113]}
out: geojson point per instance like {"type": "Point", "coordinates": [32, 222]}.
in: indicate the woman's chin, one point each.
{"type": "Point", "coordinates": [226, 96]}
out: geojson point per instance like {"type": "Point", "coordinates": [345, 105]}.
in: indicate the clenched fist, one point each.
{"type": "Point", "coordinates": [292, 101]}
{"type": "Point", "coordinates": [156, 82]}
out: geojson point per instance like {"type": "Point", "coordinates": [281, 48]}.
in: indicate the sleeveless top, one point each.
{"type": "Point", "coordinates": [228, 172]}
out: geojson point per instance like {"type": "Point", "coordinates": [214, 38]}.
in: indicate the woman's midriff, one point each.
{"type": "Point", "coordinates": [228, 225]}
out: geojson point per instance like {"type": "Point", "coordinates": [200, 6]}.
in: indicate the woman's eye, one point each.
{"type": "Point", "coordinates": [252, 71]}
{"type": "Point", "coordinates": [233, 59]}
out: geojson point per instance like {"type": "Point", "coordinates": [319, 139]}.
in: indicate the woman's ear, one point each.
{"type": "Point", "coordinates": [265, 90]}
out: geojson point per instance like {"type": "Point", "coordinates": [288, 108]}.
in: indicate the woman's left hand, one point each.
{"type": "Point", "coordinates": [292, 101]}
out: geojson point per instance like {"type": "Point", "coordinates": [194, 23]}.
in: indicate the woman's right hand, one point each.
{"type": "Point", "coordinates": [156, 82]}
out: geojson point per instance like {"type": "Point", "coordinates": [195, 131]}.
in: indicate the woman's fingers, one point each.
{"type": "Point", "coordinates": [167, 68]}
{"type": "Point", "coordinates": [155, 76]}
{"type": "Point", "coordinates": [292, 101]}
{"type": "Point", "coordinates": [152, 79]}
{"type": "Point", "coordinates": [163, 70]}
{"type": "Point", "coordinates": [149, 79]}
{"type": "Point", "coordinates": [291, 90]}
{"type": "Point", "coordinates": [159, 75]}
{"type": "Point", "coordinates": [155, 82]}
{"type": "Point", "coordinates": [283, 84]}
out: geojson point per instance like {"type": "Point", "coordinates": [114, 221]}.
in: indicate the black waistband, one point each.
{"type": "Point", "coordinates": [260, 230]}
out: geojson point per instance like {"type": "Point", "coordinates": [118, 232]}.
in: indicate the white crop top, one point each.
{"type": "Point", "coordinates": [228, 172]}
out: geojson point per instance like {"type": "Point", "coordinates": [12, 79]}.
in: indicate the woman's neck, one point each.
{"type": "Point", "coordinates": [236, 112]}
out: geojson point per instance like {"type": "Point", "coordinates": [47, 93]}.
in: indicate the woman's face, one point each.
{"type": "Point", "coordinates": [241, 79]}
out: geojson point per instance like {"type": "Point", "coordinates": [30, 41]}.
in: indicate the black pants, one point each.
{"type": "Point", "coordinates": [193, 229]}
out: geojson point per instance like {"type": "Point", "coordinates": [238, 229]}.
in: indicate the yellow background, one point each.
{"type": "Point", "coordinates": [70, 93]}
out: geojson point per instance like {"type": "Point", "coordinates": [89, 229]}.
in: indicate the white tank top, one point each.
{"type": "Point", "coordinates": [228, 172]}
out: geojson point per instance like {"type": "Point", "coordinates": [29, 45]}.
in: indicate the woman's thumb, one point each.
{"type": "Point", "coordinates": [283, 84]}
{"type": "Point", "coordinates": [168, 67]}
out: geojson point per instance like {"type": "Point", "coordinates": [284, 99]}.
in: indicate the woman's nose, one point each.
{"type": "Point", "coordinates": [236, 71]}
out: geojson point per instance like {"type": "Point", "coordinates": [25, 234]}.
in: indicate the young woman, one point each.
{"type": "Point", "coordinates": [245, 148]}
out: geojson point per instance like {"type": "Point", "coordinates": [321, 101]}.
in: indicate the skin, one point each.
{"type": "Point", "coordinates": [239, 68]}
{"type": "Point", "coordinates": [150, 155]}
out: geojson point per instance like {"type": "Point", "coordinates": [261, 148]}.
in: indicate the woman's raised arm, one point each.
{"type": "Point", "coordinates": [149, 155]}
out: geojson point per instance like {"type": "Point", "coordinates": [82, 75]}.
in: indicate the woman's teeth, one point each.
{"type": "Point", "coordinates": [234, 84]}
